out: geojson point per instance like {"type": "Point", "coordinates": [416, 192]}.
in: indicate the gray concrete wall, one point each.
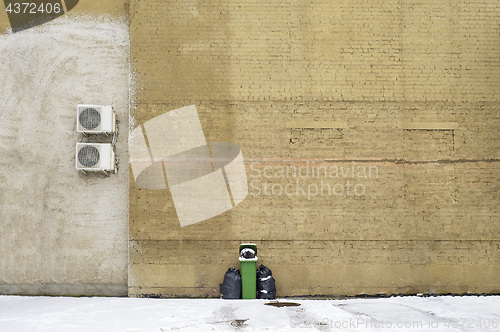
{"type": "Point", "coordinates": [61, 233]}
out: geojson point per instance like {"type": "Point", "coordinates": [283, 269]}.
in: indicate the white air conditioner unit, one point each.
{"type": "Point", "coordinates": [94, 119]}
{"type": "Point", "coordinates": [95, 157]}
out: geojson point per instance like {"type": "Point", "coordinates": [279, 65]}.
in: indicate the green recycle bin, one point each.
{"type": "Point", "coordinates": [248, 270]}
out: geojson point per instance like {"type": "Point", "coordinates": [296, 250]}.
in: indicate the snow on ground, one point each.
{"type": "Point", "coordinates": [445, 313]}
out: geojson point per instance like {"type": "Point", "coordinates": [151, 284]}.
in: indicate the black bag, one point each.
{"type": "Point", "coordinates": [231, 286]}
{"type": "Point", "coordinates": [266, 287]}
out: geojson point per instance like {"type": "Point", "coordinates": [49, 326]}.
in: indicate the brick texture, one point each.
{"type": "Point", "coordinates": [408, 89]}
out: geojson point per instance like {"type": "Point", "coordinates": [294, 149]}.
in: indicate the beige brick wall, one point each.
{"type": "Point", "coordinates": [409, 88]}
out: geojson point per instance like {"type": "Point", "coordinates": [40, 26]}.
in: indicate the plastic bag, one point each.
{"type": "Point", "coordinates": [266, 287]}
{"type": "Point", "coordinates": [247, 253]}
{"type": "Point", "coordinates": [231, 286]}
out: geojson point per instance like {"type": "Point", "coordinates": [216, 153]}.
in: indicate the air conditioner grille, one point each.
{"type": "Point", "coordinates": [88, 156]}
{"type": "Point", "coordinates": [90, 118]}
